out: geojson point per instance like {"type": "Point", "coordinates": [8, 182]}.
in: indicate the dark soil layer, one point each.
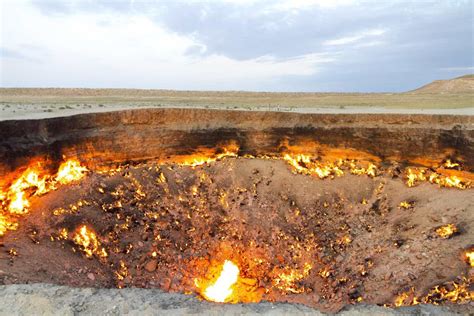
{"type": "Point", "coordinates": [162, 134]}
{"type": "Point", "coordinates": [164, 226]}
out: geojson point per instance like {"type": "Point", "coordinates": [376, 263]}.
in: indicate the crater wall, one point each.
{"type": "Point", "coordinates": [132, 135]}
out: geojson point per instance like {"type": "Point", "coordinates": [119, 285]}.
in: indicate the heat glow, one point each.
{"type": "Point", "coordinates": [70, 171]}
{"type": "Point", "coordinates": [470, 257]}
{"type": "Point", "coordinates": [87, 240]}
{"type": "Point", "coordinates": [221, 290]}
{"type": "Point", "coordinates": [446, 231]}
{"type": "Point", "coordinates": [15, 200]}
{"type": "Point", "coordinates": [455, 292]}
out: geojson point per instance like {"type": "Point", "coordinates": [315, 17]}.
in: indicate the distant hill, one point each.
{"type": "Point", "coordinates": [463, 84]}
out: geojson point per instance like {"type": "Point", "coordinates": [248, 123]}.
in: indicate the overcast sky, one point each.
{"type": "Point", "coordinates": [318, 45]}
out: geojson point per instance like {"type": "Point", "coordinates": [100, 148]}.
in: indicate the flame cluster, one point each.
{"type": "Point", "coordinates": [446, 231]}
{"type": "Point", "coordinates": [70, 171]}
{"type": "Point", "coordinates": [16, 195]}
{"type": "Point", "coordinates": [306, 164]}
{"type": "Point", "coordinates": [227, 150]}
{"type": "Point", "coordinates": [33, 181]}
{"type": "Point", "coordinates": [300, 162]}
{"type": "Point", "coordinates": [87, 239]}
{"type": "Point", "coordinates": [415, 175]}
{"type": "Point", "coordinates": [455, 292]}
{"type": "Point", "coordinates": [6, 224]}
{"type": "Point", "coordinates": [287, 279]}
{"type": "Point", "coordinates": [309, 164]}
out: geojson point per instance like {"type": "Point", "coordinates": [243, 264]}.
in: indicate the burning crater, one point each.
{"type": "Point", "coordinates": [323, 210]}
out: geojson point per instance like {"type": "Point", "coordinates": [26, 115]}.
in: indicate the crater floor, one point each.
{"type": "Point", "coordinates": [326, 243]}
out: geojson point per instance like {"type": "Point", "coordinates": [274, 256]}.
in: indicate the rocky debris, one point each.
{"type": "Point", "coordinates": [150, 266]}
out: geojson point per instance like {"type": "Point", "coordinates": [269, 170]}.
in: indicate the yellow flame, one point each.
{"type": "Point", "coordinates": [198, 159]}
{"type": "Point", "coordinates": [30, 179]}
{"type": "Point", "coordinates": [17, 194]}
{"type": "Point", "coordinates": [87, 239]}
{"type": "Point", "coordinates": [414, 175]}
{"type": "Point", "coordinates": [305, 164]}
{"type": "Point", "coordinates": [285, 281]}
{"type": "Point", "coordinates": [446, 231]}
{"type": "Point", "coordinates": [122, 271]}
{"type": "Point", "coordinates": [324, 272]}
{"type": "Point", "coordinates": [405, 204]}
{"type": "Point", "coordinates": [406, 298]}
{"type": "Point", "coordinates": [456, 292]}
{"type": "Point", "coordinates": [371, 169]}
{"type": "Point", "coordinates": [70, 171]}
{"type": "Point", "coordinates": [222, 290]}
{"type": "Point", "coordinates": [344, 240]}
{"type": "Point", "coordinates": [15, 200]}
{"type": "Point", "coordinates": [449, 164]}
{"type": "Point", "coordinates": [6, 224]}
{"type": "Point", "coordinates": [18, 203]}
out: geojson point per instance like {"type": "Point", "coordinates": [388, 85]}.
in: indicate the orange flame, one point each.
{"type": "Point", "coordinates": [30, 179]}
{"type": "Point", "coordinates": [70, 171]}
{"type": "Point", "coordinates": [87, 239]}
{"type": "Point", "coordinates": [414, 175]}
{"type": "Point", "coordinates": [406, 298]}
{"type": "Point", "coordinates": [287, 279]}
{"type": "Point", "coordinates": [15, 200]}
{"type": "Point", "coordinates": [6, 224]}
{"type": "Point", "coordinates": [305, 164]}
{"type": "Point", "coordinates": [456, 292]}
{"type": "Point", "coordinates": [446, 231]}
{"type": "Point", "coordinates": [450, 164]}
{"type": "Point", "coordinates": [206, 156]}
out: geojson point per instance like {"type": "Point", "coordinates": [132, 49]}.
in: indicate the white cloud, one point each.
{"type": "Point", "coordinates": [116, 50]}
{"type": "Point", "coordinates": [465, 69]}
{"type": "Point", "coordinates": [305, 4]}
{"type": "Point", "coordinates": [208, 44]}
{"type": "Point", "coordinates": [355, 38]}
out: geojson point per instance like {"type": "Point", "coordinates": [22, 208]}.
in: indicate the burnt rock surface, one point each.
{"type": "Point", "coordinates": [103, 138]}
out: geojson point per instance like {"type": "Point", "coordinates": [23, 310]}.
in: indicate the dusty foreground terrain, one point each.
{"type": "Point", "coordinates": [44, 299]}
{"type": "Point", "coordinates": [326, 243]}
{"type": "Point", "coordinates": [455, 96]}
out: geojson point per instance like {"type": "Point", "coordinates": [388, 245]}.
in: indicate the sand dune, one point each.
{"type": "Point", "coordinates": [463, 84]}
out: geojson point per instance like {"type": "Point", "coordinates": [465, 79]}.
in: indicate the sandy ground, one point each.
{"type": "Point", "coordinates": [40, 111]}
{"type": "Point", "coordinates": [40, 103]}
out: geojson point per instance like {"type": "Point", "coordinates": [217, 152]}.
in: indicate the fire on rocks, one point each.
{"type": "Point", "coordinates": [238, 228]}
